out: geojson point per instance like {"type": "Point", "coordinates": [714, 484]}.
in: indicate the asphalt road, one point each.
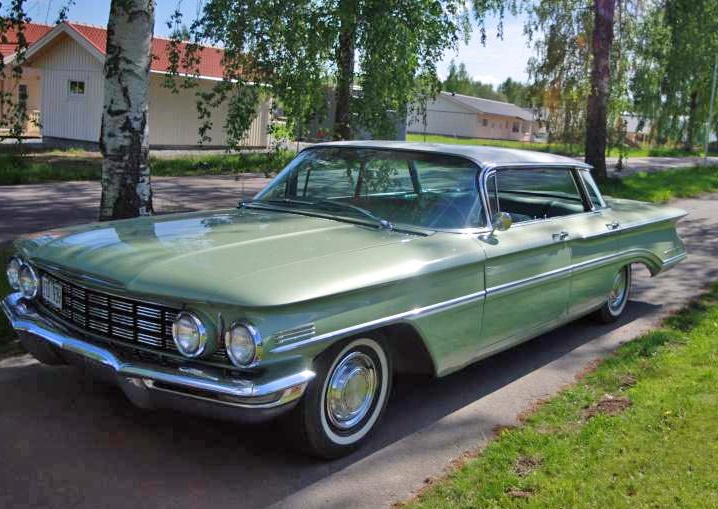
{"type": "Point", "coordinates": [67, 441]}
{"type": "Point", "coordinates": [35, 207]}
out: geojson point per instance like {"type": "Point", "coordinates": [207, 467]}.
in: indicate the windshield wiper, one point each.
{"type": "Point", "coordinates": [327, 203]}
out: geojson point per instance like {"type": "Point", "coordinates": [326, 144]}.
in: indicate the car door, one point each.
{"type": "Point", "coordinates": [527, 271]}
{"type": "Point", "coordinates": [594, 244]}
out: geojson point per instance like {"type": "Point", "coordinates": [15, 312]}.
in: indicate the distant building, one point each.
{"type": "Point", "coordinates": [63, 87]}
{"type": "Point", "coordinates": [464, 116]}
{"type": "Point", "coordinates": [637, 129]}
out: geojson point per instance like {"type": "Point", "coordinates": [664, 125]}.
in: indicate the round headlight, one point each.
{"type": "Point", "coordinates": [189, 334]}
{"type": "Point", "coordinates": [13, 272]}
{"type": "Point", "coordinates": [27, 282]}
{"type": "Point", "coordinates": [242, 342]}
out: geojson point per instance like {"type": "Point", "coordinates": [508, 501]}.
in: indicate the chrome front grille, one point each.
{"type": "Point", "coordinates": [119, 319]}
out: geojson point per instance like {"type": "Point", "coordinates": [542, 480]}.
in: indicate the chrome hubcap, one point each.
{"type": "Point", "coordinates": [351, 390]}
{"type": "Point", "coordinates": [618, 292]}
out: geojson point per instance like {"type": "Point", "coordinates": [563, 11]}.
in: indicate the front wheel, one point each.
{"type": "Point", "coordinates": [617, 297]}
{"type": "Point", "coordinates": [343, 404]}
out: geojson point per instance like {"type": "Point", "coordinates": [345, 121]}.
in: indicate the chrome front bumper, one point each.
{"type": "Point", "coordinates": [200, 390]}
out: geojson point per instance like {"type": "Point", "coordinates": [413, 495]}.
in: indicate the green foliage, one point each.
{"type": "Point", "coordinates": [60, 166]}
{"type": "Point", "coordinates": [645, 456]}
{"type": "Point", "coordinates": [566, 149]}
{"type": "Point", "coordinates": [672, 83]}
{"type": "Point", "coordinates": [13, 108]}
{"type": "Point", "coordinates": [561, 68]}
{"type": "Point", "coordinates": [292, 48]}
{"type": "Point", "coordinates": [459, 81]}
{"type": "Point", "coordinates": [516, 92]}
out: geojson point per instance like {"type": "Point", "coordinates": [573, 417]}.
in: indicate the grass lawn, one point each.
{"type": "Point", "coordinates": [554, 148]}
{"type": "Point", "coordinates": [64, 165]}
{"type": "Point", "coordinates": [641, 430]}
{"type": "Point", "coordinates": [661, 186]}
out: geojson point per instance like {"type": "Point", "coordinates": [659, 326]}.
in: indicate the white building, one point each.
{"type": "Point", "coordinates": [463, 116]}
{"type": "Point", "coordinates": [66, 65]}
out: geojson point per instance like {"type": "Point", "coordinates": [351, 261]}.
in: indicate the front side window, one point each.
{"type": "Point", "coordinates": [421, 189]}
{"type": "Point", "coordinates": [537, 193]}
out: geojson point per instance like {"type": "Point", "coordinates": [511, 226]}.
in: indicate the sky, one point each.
{"type": "Point", "coordinates": [493, 63]}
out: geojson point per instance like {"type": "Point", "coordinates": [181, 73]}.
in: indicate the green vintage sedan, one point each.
{"type": "Point", "coordinates": [359, 261]}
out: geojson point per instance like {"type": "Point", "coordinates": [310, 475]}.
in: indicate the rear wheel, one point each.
{"type": "Point", "coordinates": [343, 404]}
{"type": "Point", "coordinates": [617, 297]}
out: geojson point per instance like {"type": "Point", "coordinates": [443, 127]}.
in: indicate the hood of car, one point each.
{"type": "Point", "coordinates": [247, 257]}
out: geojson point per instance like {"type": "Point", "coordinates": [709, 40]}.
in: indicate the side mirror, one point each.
{"type": "Point", "coordinates": [501, 222]}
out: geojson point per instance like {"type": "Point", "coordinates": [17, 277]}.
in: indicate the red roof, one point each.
{"type": "Point", "coordinates": [33, 31]}
{"type": "Point", "coordinates": [210, 64]}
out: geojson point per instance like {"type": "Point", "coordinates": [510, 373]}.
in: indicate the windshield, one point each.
{"type": "Point", "coordinates": [384, 186]}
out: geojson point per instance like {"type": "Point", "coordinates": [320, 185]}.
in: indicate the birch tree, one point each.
{"type": "Point", "coordinates": [597, 109]}
{"type": "Point", "coordinates": [388, 48]}
{"type": "Point", "coordinates": [124, 137]}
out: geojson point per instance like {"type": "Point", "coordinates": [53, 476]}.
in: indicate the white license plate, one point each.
{"type": "Point", "coordinates": [52, 293]}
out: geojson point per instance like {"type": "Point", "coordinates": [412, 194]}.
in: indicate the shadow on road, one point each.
{"type": "Point", "coordinates": [71, 442]}
{"type": "Point", "coordinates": [99, 445]}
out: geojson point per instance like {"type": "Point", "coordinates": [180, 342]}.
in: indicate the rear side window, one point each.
{"type": "Point", "coordinates": [446, 174]}
{"type": "Point", "coordinates": [538, 193]}
{"type": "Point", "coordinates": [592, 189]}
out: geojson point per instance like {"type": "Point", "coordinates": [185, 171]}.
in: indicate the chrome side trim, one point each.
{"type": "Point", "coordinates": [633, 255]}
{"type": "Point", "coordinates": [23, 318]}
{"type": "Point", "coordinates": [529, 281]}
{"type": "Point", "coordinates": [294, 334]}
{"type": "Point", "coordinates": [673, 260]}
{"type": "Point", "coordinates": [433, 308]}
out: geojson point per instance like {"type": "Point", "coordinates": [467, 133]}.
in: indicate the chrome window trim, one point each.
{"type": "Point", "coordinates": [398, 226]}
{"type": "Point", "coordinates": [491, 169]}
{"type": "Point", "coordinates": [582, 173]}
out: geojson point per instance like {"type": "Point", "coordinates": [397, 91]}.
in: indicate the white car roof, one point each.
{"type": "Point", "coordinates": [483, 155]}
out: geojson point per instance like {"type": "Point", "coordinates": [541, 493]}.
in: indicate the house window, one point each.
{"type": "Point", "coordinates": [76, 88]}
{"type": "Point", "coordinates": [485, 122]}
{"type": "Point", "coordinates": [515, 127]}
{"type": "Point", "coordinates": [22, 92]}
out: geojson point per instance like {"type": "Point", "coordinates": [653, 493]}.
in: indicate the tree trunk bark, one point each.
{"type": "Point", "coordinates": [691, 126]}
{"type": "Point", "coordinates": [602, 41]}
{"type": "Point", "coordinates": [124, 138]}
{"type": "Point", "coordinates": [345, 70]}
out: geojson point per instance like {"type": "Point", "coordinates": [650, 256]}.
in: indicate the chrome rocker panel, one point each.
{"type": "Point", "coordinates": [197, 390]}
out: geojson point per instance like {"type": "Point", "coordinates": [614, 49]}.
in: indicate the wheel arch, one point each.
{"type": "Point", "coordinates": [406, 346]}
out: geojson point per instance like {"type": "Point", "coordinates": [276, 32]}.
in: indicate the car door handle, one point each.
{"type": "Point", "coordinates": [560, 236]}
{"type": "Point", "coordinates": [613, 226]}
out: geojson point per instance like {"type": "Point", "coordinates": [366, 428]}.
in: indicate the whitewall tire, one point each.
{"type": "Point", "coordinates": [347, 398]}
{"type": "Point", "coordinates": [617, 298]}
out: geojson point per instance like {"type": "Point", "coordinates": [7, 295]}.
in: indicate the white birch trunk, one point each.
{"type": "Point", "coordinates": [124, 138]}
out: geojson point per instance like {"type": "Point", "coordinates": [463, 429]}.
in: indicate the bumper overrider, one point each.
{"type": "Point", "coordinates": [200, 390]}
